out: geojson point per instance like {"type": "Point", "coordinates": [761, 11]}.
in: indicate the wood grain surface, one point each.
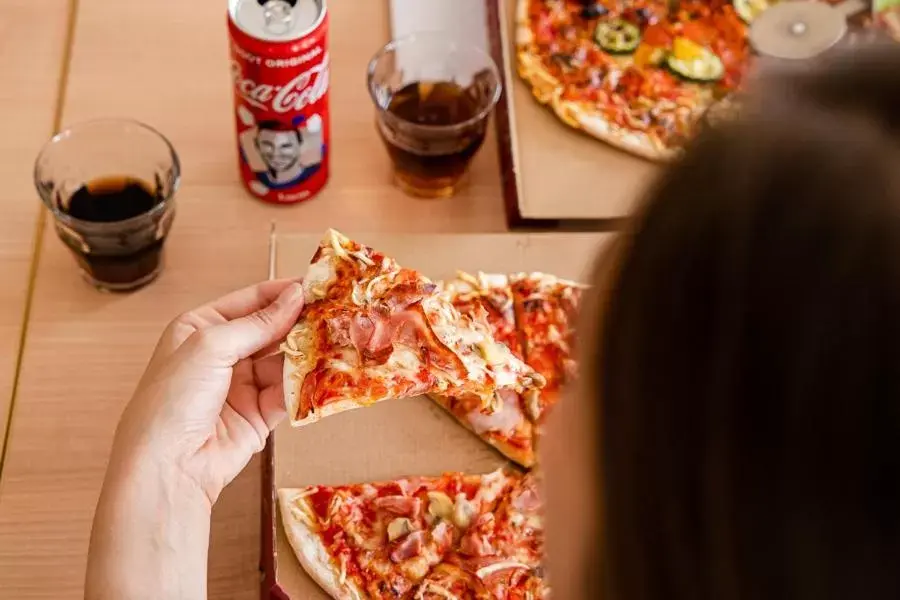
{"type": "Point", "coordinates": [32, 40]}
{"type": "Point", "coordinates": [165, 63]}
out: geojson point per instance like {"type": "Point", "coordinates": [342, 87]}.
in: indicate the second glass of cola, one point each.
{"type": "Point", "coordinates": [433, 97]}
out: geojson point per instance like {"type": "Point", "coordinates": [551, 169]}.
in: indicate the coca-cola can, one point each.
{"type": "Point", "coordinates": [279, 67]}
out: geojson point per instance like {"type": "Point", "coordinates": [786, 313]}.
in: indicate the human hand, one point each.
{"type": "Point", "coordinates": [212, 391]}
{"type": "Point", "coordinates": [211, 394]}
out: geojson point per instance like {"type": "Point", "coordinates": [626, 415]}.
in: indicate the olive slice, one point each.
{"type": "Point", "coordinates": [617, 36]}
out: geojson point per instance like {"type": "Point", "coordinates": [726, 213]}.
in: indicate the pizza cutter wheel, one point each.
{"type": "Point", "coordinates": [801, 29]}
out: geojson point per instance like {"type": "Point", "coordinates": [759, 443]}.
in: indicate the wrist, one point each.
{"type": "Point", "coordinates": [151, 534]}
{"type": "Point", "coordinates": [151, 478]}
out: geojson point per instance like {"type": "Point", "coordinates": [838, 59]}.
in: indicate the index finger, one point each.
{"type": "Point", "coordinates": [243, 302]}
{"type": "Point", "coordinates": [227, 308]}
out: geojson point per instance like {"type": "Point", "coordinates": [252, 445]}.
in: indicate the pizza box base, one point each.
{"type": "Point", "coordinates": [395, 438]}
{"type": "Point", "coordinates": [554, 175]}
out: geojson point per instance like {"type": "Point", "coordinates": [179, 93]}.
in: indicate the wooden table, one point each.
{"type": "Point", "coordinates": [28, 104]}
{"type": "Point", "coordinates": [84, 350]}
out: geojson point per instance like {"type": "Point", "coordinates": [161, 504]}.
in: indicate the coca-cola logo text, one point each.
{"type": "Point", "coordinates": [308, 87]}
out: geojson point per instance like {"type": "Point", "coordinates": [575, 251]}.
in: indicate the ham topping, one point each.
{"type": "Point", "coordinates": [374, 334]}
{"type": "Point", "coordinates": [442, 534]}
{"type": "Point", "coordinates": [403, 506]}
{"type": "Point", "coordinates": [476, 542]}
{"type": "Point", "coordinates": [371, 334]}
{"type": "Point", "coordinates": [527, 500]}
{"type": "Point", "coordinates": [338, 329]}
{"type": "Point", "coordinates": [410, 546]}
{"type": "Point", "coordinates": [503, 420]}
{"type": "Point", "coordinates": [405, 294]}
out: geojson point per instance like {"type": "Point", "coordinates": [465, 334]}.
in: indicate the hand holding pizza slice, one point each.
{"type": "Point", "coordinates": [371, 330]}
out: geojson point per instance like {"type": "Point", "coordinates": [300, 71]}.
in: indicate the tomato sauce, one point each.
{"type": "Point", "coordinates": [320, 501]}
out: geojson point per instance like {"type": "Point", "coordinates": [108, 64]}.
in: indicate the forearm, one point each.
{"type": "Point", "coordinates": [135, 556]}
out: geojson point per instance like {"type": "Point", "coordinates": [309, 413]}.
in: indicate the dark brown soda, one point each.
{"type": "Point", "coordinates": [428, 159]}
{"type": "Point", "coordinates": [132, 256]}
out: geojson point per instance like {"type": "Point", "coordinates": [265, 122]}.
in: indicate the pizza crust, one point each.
{"type": "Point", "coordinates": [514, 453]}
{"type": "Point", "coordinates": [311, 552]}
{"type": "Point", "coordinates": [632, 141]}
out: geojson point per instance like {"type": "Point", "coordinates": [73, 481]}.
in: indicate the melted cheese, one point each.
{"type": "Point", "coordinates": [491, 486]}
{"type": "Point", "coordinates": [301, 512]}
{"type": "Point", "coordinates": [320, 275]}
{"type": "Point", "coordinates": [403, 363]}
{"type": "Point", "coordinates": [298, 347]}
{"type": "Point", "coordinates": [500, 566]}
{"type": "Point", "coordinates": [342, 577]}
{"type": "Point", "coordinates": [404, 360]}
{"type": "Point", "coordinates": [430, 586]}
{"type": "Point", "coordinates": [415, 568]}
{"type": "Point", "coordinates": [492, 280]}
{"type": "Point", "coordinates": [337, 242]}
{"type": "Point", "coordinates": [480, 354]}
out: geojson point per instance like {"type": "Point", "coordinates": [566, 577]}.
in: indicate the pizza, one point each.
{"type": "Point", "coordinates": [634, 73]}
{"type": "Point", "coordinates": [371, 330]}
{"type": "Point", "coordinates": [505, 424]}
{"type": "Point", "coordinates": [639, 74]}
{"type": "Point", "coordinates": [534, 315]}
{"type": "Point", "coordinates": [546, 310]}
{"type": "Point", "coordinates": [457, 536]}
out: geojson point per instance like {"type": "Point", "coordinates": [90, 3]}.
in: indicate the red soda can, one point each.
{"type": "Point", "coordinates": [279, 67]}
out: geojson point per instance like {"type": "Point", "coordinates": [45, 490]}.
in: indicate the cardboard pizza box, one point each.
{"type": "Point", "coordinates": [395, 438]}
{"type": "Point", "coordinates": [555, 175]}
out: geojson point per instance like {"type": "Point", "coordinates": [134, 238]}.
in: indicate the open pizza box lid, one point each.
{"type": "Point", "coordinates": [399, 437]}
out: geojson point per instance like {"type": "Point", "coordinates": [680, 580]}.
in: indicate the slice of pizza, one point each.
{"type": "Point", "coordinates": [382, 540]}
{"type": "Point", "coordinates": [546, 313]}
{"type": "Point", "coordinates": [504, 424]}
{"type": "Point", "coordinates": [371, 330]}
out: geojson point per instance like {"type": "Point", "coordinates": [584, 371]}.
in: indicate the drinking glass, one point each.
{"type": "Point", "coordinates": [433, 97]}
{"type": "Point", "coordinates": [109, 185]}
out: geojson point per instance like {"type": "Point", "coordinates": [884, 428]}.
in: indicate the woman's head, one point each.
{"type": "Point", "coordinates": [738, 413]}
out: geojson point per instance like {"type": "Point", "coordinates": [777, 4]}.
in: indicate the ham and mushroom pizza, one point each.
{"type": "Point", "coordinates": [371, 330]}
{"type": "Point", "coordinates": [453, 537]}
{"type": "Point", "coordinates": [505, 424]}
{"type": "Point", "coordinates": [534, 315]}
{"type": "Point", "coordinates": [481, 346]}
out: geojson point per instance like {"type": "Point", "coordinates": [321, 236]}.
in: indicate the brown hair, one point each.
{"type": "Point", "coordinates": [748, 369]}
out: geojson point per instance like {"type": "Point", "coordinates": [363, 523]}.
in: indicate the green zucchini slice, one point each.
{"type": "Point", "coordinates": [703, 65]}
{"type": "Point", "coordinates": [617, 36]}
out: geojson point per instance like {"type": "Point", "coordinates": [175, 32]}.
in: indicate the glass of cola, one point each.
{"type": "Point", "coordinates": [433, 96]}
{"type": "Point", "coordinates": [109, 185]}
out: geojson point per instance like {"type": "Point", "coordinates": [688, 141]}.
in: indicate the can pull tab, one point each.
{"type": "Point", "coordinates": [278, 14]}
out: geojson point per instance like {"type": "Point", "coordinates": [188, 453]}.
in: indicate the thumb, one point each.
{"type": "Point", "coordinates": [224, 345]}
